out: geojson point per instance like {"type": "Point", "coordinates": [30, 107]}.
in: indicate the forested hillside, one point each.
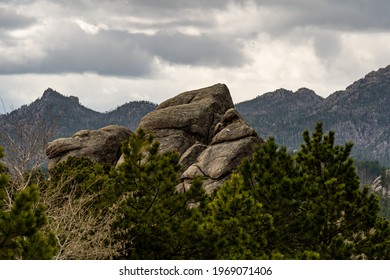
{"type": "Point", "coordinates": [65, 115]}
{"type": "Point", "coordinates": [358, 114]}
{"type": "Point", "coordinates": [269, 113]}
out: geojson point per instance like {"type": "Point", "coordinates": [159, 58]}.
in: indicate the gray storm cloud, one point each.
{"type": "Point", "coordinates": [117, 51]}
{"type": "Point", "coordinates": [193, 50]}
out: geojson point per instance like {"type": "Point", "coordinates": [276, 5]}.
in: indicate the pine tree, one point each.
{"type": "Point", "coordinates": [343, 219]}
{"type": "Point", "coordinates": [236, 225]}
{"type": "Point", "coordinates": [384, 202]}
{"type": "Point", "coordinates": [155, 219]}
{"type": "Point", "coordinates": [272, 178]}
{"type": "Point", "coordinates": [4, 180]}
{"type": "Point", "coordinates": [312, 200]}
{"type": "Point", "coordinates": [21, 222]}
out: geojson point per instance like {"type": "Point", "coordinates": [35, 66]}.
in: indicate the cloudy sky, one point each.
{"type": "Point", "coordinates": [108, 52]}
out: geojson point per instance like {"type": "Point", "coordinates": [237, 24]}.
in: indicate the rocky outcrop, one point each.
{"type": "Point", "coordinates": [102, 146]}
{"type": "Point", "coordinates": [188, 118]}
{"type": "Point", "coordinates": [201, 125]}
{"type": "Point", "coordinates": [205, 129]}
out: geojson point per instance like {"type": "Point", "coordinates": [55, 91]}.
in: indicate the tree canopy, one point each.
{"type": "Point", "coordinates": [313, 199]}
{"type": "Point", "coordinates": [276, 205]}
{"type": "Point", "coordinates": [155, 218]}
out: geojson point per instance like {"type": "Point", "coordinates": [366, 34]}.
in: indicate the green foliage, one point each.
{"type": "Point", "coordinates": [77, 177]}
{"type": "Point", "coordinates": [79, 209]}
{"type": "Point", "coordinates": [344, 219]}
{"type": "Point", "coordinates": [154, 218]}
{"type": "Point", "coordinates": [384, 202]}
{"type": "Point", "coordinates": [256, 214]}
{"type": "Point", "coordinates": [78, 171]}
{"type": "Point", "coordinates": [4, 180]}
{"type": "Point", "coordinates": [368, 171]}
{"type": "Point", "coordinates": [272, 178]}
{"type": "Point", "coordinates": [276, 205]}
{"type": "Point", "coordinates": [236, 224]}
{"type": "Point", "coordinates": [307, 206]}
{"type": "Point", "coordinates": [385, 176]}
{"type": "Point", "coordinates": [21, 223]}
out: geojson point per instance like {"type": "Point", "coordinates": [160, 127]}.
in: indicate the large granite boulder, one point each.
{"type": "Point", "coordinates": [102, 146]}
{"type": "Point", "coordinates": [209, 134]}
{"type": "Point", "coordinates": [190, 117]}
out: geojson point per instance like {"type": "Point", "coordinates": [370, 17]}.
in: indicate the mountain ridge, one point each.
{"type": "Point", "coordinates": [70, 116]}
{"type": "Point", "coordinates": [359, 113]}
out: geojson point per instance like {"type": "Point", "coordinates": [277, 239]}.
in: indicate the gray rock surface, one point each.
{"type": "Point", "coordinates": [209, 134]}
{"type": "Point", "coordinates": [190, 117]}
{"type": "Point", "coordinates": [201, 125]}
{"type": "Point", "coordinates": [102, 145]}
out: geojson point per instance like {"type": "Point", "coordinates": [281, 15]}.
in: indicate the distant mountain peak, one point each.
{"type": "Point", "coordinates": [286, 92]}
{"type": "Point", "coordinates": [385, 71]}
{"type": "Point", "coordinates": [282, 91]}
{"type": "Point", "coordinates": [50, 93]}
{"type": "Point", "coordinates": [382, 75]}
{"type": "Point", "coordinates": [74, 99]}
{"type": "Point", "coordinates": [70, 116]}
{"type": "Point", "coordinates": [53, 95]}
{"type": "Point", "coordinates": [305, 91]}
{"type": "Point", "coordinates": [285, 95]}
{"type": "Point", "coordinates": [359, 114]}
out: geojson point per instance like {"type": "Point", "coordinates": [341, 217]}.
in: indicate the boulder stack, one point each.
{"type": "Point", "coordinates": [205, 129]}
{"type": "Point", "coordinates": [201, 125]}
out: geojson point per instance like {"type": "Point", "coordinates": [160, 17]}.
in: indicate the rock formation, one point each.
{"type": "Point", "coordinates": [201, 125]}
{"type": "Point", "coordinates": [102, 146]}
{"type": "Point", "coordinates": [190, 117]}
{"type": "Point", "coordinates": [209, 134]}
